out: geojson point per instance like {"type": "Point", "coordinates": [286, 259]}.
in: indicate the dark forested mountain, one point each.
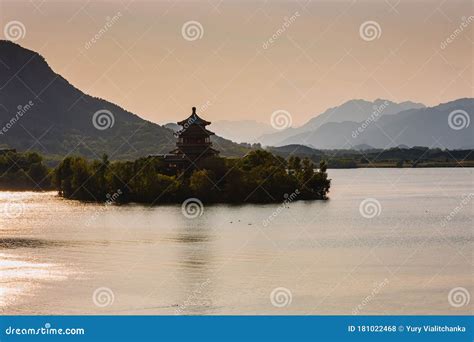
{"type": "Point", "coordinates": [41, 111]}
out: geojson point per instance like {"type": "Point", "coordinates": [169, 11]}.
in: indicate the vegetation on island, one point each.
{"type": "Point", "coordinates": [24, 171]}
{"type": "Point", "coordinates": [259, 177]}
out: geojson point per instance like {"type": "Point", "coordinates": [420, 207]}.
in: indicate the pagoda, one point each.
{"type": "Point", "coordinates": [194, 142]}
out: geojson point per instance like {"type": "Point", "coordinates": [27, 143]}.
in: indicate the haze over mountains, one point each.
{"type": "Point", "coordinates": [57, 119]}
{"type": "Point", "coordinates": [352, 110]}
{"type": "Point", "coordinates": [383, 124]}
{"type": "Point", "coordinates": [248, 131]}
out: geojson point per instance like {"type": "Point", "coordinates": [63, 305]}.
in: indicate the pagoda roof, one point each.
{"type": "Point", "coordinates": [194, 119]}
{"type": "Point", "coordinates": [199, 132]}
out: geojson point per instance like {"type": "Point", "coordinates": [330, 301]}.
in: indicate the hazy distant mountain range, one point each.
{"type": "Point", "coordinates": [383, 124]}
{"type": "Point", "coordinates": [59, 120]}
{"type": "Point", "coordinates": [41, 111]}
{"type": "Point", "coordinates": [353, 110]}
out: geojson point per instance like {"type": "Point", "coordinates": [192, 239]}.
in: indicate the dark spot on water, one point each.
{"type": "Point", "coordinates": [189, 238]}
{"type": "Point", "coordinates": [11, 243]}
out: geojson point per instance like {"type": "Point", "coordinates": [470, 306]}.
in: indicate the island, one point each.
{"type": "Point", "coordinates": [193, 170]}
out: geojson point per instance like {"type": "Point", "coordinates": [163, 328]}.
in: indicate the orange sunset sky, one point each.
{"type": "Point", "coordinates": [320, 59]}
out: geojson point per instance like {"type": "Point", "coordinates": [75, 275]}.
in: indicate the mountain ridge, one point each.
{"type": "Point", "coordinates": [413, 127]}
{"type": "Point", "coordinates": [61, 119]}
{"type": "Point", "coordinates": [354, 110]}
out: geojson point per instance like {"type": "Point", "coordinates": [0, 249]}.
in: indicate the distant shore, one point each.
{"type": "Point", "coordinates": [410, 165]}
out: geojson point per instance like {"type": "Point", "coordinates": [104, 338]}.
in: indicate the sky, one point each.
{"type": "Point", "coordinates": [244, 60]}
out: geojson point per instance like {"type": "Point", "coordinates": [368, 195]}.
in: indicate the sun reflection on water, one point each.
{"type": "Point", "coordinates": [18, 276]}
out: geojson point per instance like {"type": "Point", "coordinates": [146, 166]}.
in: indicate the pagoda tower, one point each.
{"type": "Point", "coordinates": [194, 140]}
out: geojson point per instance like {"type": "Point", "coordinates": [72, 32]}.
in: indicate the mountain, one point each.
{"type": "Point", "coordinates": [173, 126]}
{"type": "Point", "coordinates": [413, 127]}
{"type": "Point", "coordinates": [301, 151]}
{"type": "Point", "coordinates": [353, 111]}
{"type": "Point", "coordinates": [41, 111]}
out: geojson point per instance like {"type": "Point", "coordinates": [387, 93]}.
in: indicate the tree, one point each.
{"type": "Point", "coordinates": [294, 164]}
{"type": "Point", "coordinates": [201, 183]}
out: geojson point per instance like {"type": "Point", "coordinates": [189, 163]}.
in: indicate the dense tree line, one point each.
{"type": "Point", "coordinates": [258, 177]}
{"type": "Point", "coordinates": [417, 156]}
{"type": "Point", "coordinates": [23, 171]}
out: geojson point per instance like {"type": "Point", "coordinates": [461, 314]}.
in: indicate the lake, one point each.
{"type": "Point", "coordinates": [389, 241]}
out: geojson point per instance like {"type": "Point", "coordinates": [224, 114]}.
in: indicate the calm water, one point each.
{"type": "Point", "coordinates": [55, 253]}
